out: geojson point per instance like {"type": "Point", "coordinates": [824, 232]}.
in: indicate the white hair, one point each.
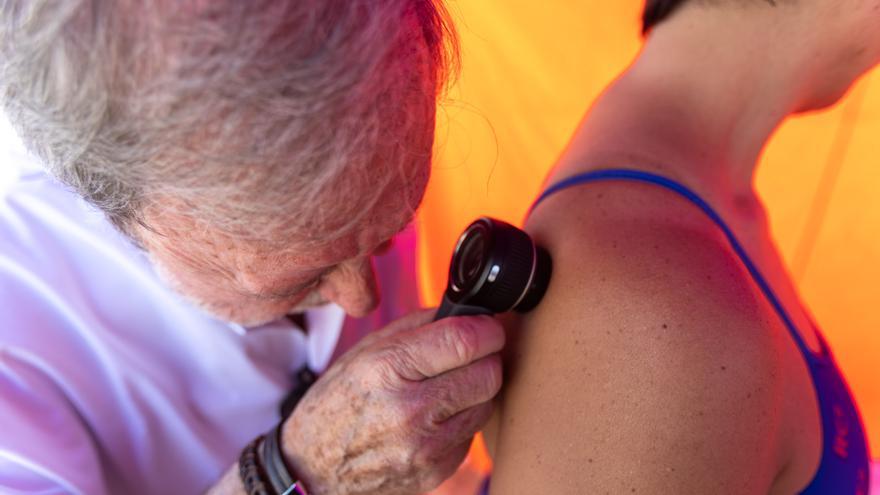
{"type": "Point", "coordinates": [238, 113]}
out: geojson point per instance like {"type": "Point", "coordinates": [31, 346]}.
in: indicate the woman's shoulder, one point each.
{"type": "Point", "coordinates": [648, 249]}
{"type": "Point", "coordinates": [651, 351]}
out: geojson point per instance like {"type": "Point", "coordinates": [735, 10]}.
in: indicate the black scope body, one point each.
{"type": "Point", "coordinates": [495, 268]}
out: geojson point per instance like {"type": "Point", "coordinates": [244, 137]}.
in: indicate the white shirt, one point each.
{"type": "Point", "coordinates": [109, 382]}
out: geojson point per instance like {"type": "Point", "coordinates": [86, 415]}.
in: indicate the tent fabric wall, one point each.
{"type": "Point", "coordinates": [530, 71]}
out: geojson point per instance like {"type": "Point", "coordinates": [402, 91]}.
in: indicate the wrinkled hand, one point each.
{"type": "Point", "coordinates": [396, 414]}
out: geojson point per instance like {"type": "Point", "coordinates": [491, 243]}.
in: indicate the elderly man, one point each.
{"type": "Point", "coordinates": [253, 157]}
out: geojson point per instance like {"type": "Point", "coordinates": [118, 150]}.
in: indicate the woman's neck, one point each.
{"type": "Point", "coordinates": [702, 99]}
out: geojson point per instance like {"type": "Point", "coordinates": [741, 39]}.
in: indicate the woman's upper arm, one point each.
{"type": "Point", "coordinates": [649, 367]}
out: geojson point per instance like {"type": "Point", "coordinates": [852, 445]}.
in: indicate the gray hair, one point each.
{"type": "Point", "coordinates": [234, 109]}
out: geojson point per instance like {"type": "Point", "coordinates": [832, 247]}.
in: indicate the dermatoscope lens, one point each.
{"type": "Point", "coordinates": [470, 259]}
{"type": "Point", "coordinates": [495, 267]}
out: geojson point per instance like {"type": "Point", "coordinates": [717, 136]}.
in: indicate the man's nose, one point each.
{"type": "Point", "coordinates": [353, 286]}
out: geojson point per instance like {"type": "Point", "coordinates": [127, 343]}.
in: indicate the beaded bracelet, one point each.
{"type": "Point", "coordinates": [250, 471]}
{"type": "Point", "coordinates": [262, 469]}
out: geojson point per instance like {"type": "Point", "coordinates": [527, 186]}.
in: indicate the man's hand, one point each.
{"type": "Point", "coordinates": [396, 414]}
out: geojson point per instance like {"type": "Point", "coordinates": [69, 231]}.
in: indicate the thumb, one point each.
{"type": "Point", "coordinates": [416, 319]}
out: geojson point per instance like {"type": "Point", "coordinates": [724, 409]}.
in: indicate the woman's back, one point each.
{"type": "Point", "coordinates": [655, 364]}
{"type": "Point", "coordinates": [658, 367]}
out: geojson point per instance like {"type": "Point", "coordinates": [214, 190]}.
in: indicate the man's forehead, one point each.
{"type": "Point", "coordinates": [315, 244]}
{"type": "Point", "coordinates": [320, 255]}
{"type": "Point", "coordinates": [387, 218]}
{"type": "Point", "coordinates": [360, 241]}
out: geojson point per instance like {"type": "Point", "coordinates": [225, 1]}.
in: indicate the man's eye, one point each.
{"type": "Point", "coordinates": [315, 281]}
{"type": "Point", "coordinates": [291, 292]}
{"type": "Point", "coordinates": [311, 284]}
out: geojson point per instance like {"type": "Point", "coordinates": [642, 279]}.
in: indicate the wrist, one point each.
{"type": "Point", "coordinates": [263, 469]}
{"type": "Point", "coordinates": [283, 479]}
{"type": "Point", "coordinates": [292, 450]}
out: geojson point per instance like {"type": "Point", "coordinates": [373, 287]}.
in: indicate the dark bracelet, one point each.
{"type": "Point", "coordinates": [250, 471]}
{"type": "Point", "coordinates": [278, 475]}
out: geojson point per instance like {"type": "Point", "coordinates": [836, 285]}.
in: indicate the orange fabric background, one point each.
{"type": "Point", "coordinates": [531, 69]}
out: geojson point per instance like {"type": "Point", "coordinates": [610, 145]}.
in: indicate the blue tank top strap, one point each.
{"type": "Point", "coordinates": [844, 467]}
{"type": "Point", "coordinates": [647, 177]}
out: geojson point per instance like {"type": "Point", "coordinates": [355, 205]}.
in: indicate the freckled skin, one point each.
{"type": "Point", "coordinates": [253, 283]}
{"type": "Point", "coordinates": [379, 390]}
{"type": "Point", "coordinates": [396, 414]}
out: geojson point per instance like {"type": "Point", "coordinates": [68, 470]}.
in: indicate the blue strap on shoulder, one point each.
{"type": "Point", "coordinates": [647, 177]}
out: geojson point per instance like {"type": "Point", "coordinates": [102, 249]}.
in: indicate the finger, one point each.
{"type": "Point", "coordinates": [462, 388]}
{"type": "Point", "coordinates": [446, 466]}
{"type": "Point", "coordinates": [463, 426]}
{"type": "Point", "coordinates": [444, 345]}
{"type": "Point", "coordinates": [410, 321]}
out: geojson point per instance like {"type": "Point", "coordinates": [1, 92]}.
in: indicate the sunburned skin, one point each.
{"type": "Point", "coordinates": [641, 354]}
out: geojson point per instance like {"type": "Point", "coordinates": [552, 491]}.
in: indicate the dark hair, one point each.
{"type": "Point", "coordinates": [656, 11]}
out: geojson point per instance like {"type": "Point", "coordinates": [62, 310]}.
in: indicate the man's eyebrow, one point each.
{"type": "Point", "coordinates": [268, 294]}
